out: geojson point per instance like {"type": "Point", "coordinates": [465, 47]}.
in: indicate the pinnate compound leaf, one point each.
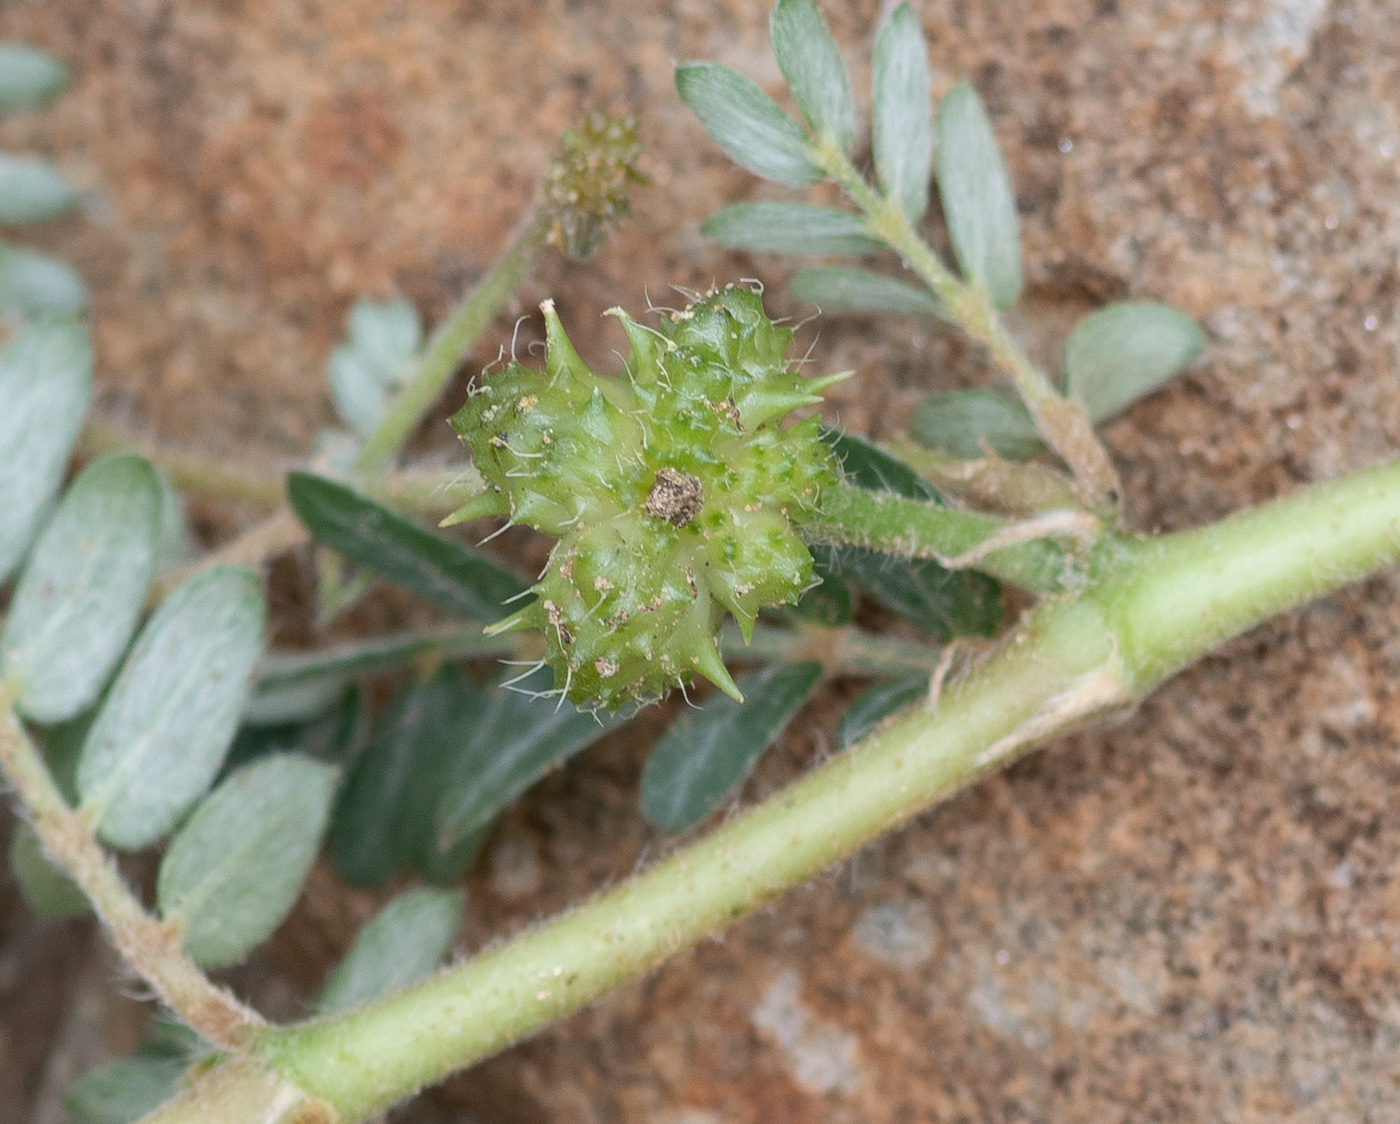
{"type": "Point", "coordinates": [48, 890]}
{"type": "Point", "coordinates": [45, 384]}
{"type": "Point", "coordinates": [978, 202]}
{"type": "Point", "coordinates": [790, 228]}
{"type": "Point", "coordinates": [959, 421]}
{"type": "Point", "coordinates": [877, 704]}
{"type": "Point", "coordinates": [28, 77]}
{"type": "Point", "coordinates": [83, 588]}
{"type": "Point", "coordinates": [456, 578]}
{"type": "Point", "coordinates": [835, 288]}
{"type": "Point", "coordinates": [810, 61]}
{"type": "Point", "coordinates": [709, 750]}
{"type": "Point", "coordinates": [407, 940]}
{"type": "Point", "coordinates": [903, 114]}
{"type": "Point", "coordinates": [747, 124]}
{"type": "Point", "coordinates": [383, 820]}
{"type": "Point", "coordinates": [31, 191]}
{"type": "Point", "coordinates": [164, 728]}
{"type": "Point", "coordinates": [1125, 351]}
{"type": "Point", "coordinates": [234, 869]}
{"type": "Point", "coordinates": [34, 284]}
{"type": "Point", "coordinates": [516, 740]}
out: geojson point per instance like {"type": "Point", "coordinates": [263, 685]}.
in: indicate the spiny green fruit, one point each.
{"type": "Point", "coordinates": [674, 492]}
{"type": "Point", "coordinates": [586, 188]}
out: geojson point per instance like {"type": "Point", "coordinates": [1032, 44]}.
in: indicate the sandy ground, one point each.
{"type": "Point", "coordinates": [1191, 916]}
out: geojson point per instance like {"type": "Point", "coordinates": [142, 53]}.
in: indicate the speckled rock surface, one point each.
{"type": "Point", "coordinates": [1193, 915]}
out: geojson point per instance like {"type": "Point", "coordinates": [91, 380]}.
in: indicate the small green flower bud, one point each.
{"type": "Point", "coordinates": [673, 491]}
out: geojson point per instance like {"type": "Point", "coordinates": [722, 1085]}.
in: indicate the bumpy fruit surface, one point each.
{"type": "Point", "coordinates": [674, 492]}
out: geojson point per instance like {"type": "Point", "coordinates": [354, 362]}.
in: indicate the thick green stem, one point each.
{"type": "Point", "coordinates": [895, 524]}
{"type": "Point", "coordinates": [1177, 598]}
{"type": "Point", "coordinates": [151, 948]}
{"type": "Point", "coordinates": [366, 1060]}
{"type": "Point", "coordinates": [451, 343]}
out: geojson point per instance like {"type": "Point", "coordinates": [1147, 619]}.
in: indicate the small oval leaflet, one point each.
{"type": "Point", "coordinates": [810, 61]}
{"type": "Point", "coordinates": [877, 704]}
{"type": "Point", "coordinates": [1125, 351]}
{"type": "Point", "coordinates": [35, 284]}
{"type": "Point", "coordinates": [903, 115]}
{"type": "Point", "coordinates": [383, 820]}
{"type": "Point", "coordinates": [977, 198]}
{"type": "Point", "coordinates": [407, 940]}
{"type": "Point", "coordinates": [31, 191]}
{"type": "Point", "coordinates": [834, 288]}
{"type": "Point", "coordinates": [790, 228]}
{"type": "Point", "coordinates": [166, 724]}
{"type": "Point", "coordinates": [708, 751]}
{"type": "Point", "coordinates": [28, 77]}
{"type": "Point", "coordinates": [516, 739]}
{"type": "Point", "coordinates": [747, 124]}
{"type": "Point", "coordinates": [960, 421]}
{"type": "Point", "coordinates": [83, 589]}
{"type": "Point", "coordinates": [45, 383]}
{"type": "Point", "coordinates": [461, 580]}
{"type": "Point", "coordinates": [234, 869]}
{"type": "Point", "coordinates": [382, 339]}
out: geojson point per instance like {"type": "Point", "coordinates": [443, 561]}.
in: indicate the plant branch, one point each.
{"type": "Point", "coordinates": [151, 948]}
{"type": "Point", "coordinates": [1062, 422]}
{"type": "Point", "coordinates": [188, 471]}
{"type": "Point", "coordinates": [364, 1061]}
{"type": "Point", "coordinates": [884, 521]}
{"type": "Point", "coordinates": [1164, 603]}
{"type": "Point", "coordinates": [432, 493]}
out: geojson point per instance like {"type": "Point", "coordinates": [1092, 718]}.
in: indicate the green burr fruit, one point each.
{"type": "Point", "coordinates": [674, 491]}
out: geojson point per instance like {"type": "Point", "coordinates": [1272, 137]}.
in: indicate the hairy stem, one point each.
{"type": "Point", "coordinates": [895, 524]}
{"type": "Point", "coordinates": [1062, 422]}
{"type": "Point", "coordinates": [364, 1061]}
{"type": "Point", "coordinates": [188, 471]}
{"type": "Point", "coordinates": [1161, 604]}
{"type": "Point", "coordinates": [451, 343]}
{"type": "Point", "coordinates": [432, 493]}
{"type": "Point", "coordinates": [150, 947]}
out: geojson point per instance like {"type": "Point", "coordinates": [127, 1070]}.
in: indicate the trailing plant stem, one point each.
{"type": "Point", "coordinates": [1154, 606]}
{"type": "Point", "coordinates": [1062, 422]}
{"type": "Point", "coordinates": [432, 493]}
{"type": "Point", "coordinates": [1165, 603]}
{"type": "Point", "coordinates": [896, 524]}
{"type": "Point", "coordinates": [366, 1060]}
{"type": "Point", "coordinates": [150, 947]}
